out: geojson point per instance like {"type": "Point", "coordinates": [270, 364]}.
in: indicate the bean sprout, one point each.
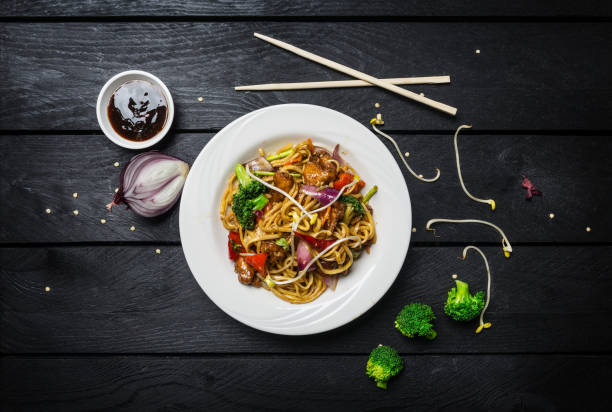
{"type": "Point", "coordinates": [488, 201]}
{"type": "Point", "coordinates": [507, 248]}
{"type": "Point", "coordinates": [375, 122]}
{"type": "Point", "coordinates": [482, 324]}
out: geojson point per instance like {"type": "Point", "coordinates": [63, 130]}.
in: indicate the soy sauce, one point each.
{"type": "Point", "coordinates": [137, 110]}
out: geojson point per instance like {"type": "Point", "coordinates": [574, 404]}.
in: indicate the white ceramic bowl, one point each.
{"type": "Point", "coordinates": [204, 238]}
{"type": "Point", "coordinates": [104, 98]}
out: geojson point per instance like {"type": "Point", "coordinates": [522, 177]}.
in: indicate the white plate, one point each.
{"type": "Point", "coordinates": [204, 238]}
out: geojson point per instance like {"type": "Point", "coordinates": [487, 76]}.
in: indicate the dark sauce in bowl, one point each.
{"type": "Point", "coordinates": [137, 110]}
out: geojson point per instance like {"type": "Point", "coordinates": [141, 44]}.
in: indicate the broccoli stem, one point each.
{"type": "Point", "coordinates": [241, 175]}
{"type": "Point", "coordinates": [381, 384]}
{"type": "Point", "coordinates": [259, 202]}
{"type": "Point", "coordinates": [463, 290]}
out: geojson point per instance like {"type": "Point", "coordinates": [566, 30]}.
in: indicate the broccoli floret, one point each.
{"type": "Point", "coordinates": [248, 198]}
{"type": "Point", "coordinates": [383, 364]}
{"type": "Point", "coordinates": [461, 305]}
{"type": "Point", "coordinates": [416, 320]}
{"type": "Point", "coordinates": [353, 208]}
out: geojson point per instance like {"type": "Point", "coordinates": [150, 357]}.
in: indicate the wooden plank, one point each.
{"type": "Point", "coordinates": [318, 8]}
{"type": "Point", "coordinates": [41, 172]}
{"type": "Point", "coordinates": [129, 300]}
{"type": "Point", "coordinates": [527, 76]}
{"type": "Point", "coordinates": [305, 383]}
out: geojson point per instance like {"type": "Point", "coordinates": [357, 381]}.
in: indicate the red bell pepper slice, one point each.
{"type": "Point", "coordinates": [343, 180]}
{"type": "Point", "coordinates": [318, 244]}
{"type": "Point", "coordinates": [234, 245]}
{"type": "Point", "coordinates": [258, 261]}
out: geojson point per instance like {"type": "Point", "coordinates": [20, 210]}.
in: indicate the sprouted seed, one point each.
{"type": "Point", "coordinates": [132, 228]}
{"type": "Point", "coordinates": [379, 122]}
{"type": "Point", "coordinates": [47, 289]}
{"type": "Point", "coordinates": [551, 215]}
{"type": "Point", "coordinates": [506, 247]}
{"type": "Point", "coordinates": [200, 99]}
{"type": "Point", "coordinates": [75, 212]}
{"type": "Point", "coordinates": [377, 105]}
{"type": "Point", "coordinates": [482, 324]}
{"type": "Point", "coordinates": [588, 228]}
{"type": "Point", "coordinates": [477, 51]}
{"type": "Point", "coordinates": [488, 201]}
{"type": "Point", "coordinates": [48, 211]}
{"type": "Point", "coordinates": [75, 195]}
{"type": "Point", "coordinates": [116, 164]}
{"type": "Point", "coordinates": [157, 251]}
{"type": "Point", "coordinates": [103, 221]}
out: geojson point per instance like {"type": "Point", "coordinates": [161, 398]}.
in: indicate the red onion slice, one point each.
{"type": "Point", "coordinates": [324, 196]}
{"type": "Point", "coordinates": [260, 164]}
{"type": "Point", "coordinates": [303, 256]}
{"type": "Point", "coordinates": [151, 183]}
{"type": "Point", "coordinates": [336, 155]}
{"type": "Point", "coordinates": [330, 281]}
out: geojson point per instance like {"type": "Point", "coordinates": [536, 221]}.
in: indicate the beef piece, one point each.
{"type": "Point", "coordinates": [245, 272]}
{"type": "Point", "coordinates": [283, 181]}
{"type": "Point", "coordinates": [276, 254]}
{"type": "Point", "coordinates": [336, 214]}
{"type": "Point", "coordinates": [317, 175]}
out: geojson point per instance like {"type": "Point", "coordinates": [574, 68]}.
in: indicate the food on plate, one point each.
{"type": "Point", "coordinates": [461, 305]}
{"type": "Point", "coordinates": [151, 183]}
{"type": "Point", "coordinates": [297, 220]}
{"type": "Point", "coordinates": [416, 319]}
{"type": "Point", "coordinates": [383, 364]}
{"type": "Point", "coordinates": [137, 110]}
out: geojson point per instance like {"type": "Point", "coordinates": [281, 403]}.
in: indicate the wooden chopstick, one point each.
{"type": "Point", "coordinates": [359, 75]}
{"type": "Point", "coordinates": [344, 83]}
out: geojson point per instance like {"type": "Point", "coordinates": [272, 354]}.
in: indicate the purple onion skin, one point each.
{"type": "Point", "coordinates": [324, 196]}
{"type": "Point", "coordinates": [127, 193]}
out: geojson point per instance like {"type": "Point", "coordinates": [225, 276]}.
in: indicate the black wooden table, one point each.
{"type": "Point", "coordinates": [92, 318]}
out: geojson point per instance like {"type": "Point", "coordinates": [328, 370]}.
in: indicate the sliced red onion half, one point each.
{"type": "Point", "coordinates": [260, 164]}
{"type": "Point", "coordinates": [324, 196]}
{"type": "Point", "coordinates": [303, 256]}
{"type": "Point", "coordinates": [151, 183]}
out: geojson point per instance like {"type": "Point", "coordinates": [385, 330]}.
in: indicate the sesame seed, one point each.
{"type": "Point", "coordinates": [413, 229]}
{"type": "Point", "coordinates": [407, 154]}
{"type": "Point", "coordinates": [377, 105]}
{"type": "Point", "coordinates": [47, 289]}
{"type": "Point", "coordinates": [75, 195]}
{"type": "Point", "coordinates": [103, 221]}
{"type": "Point", "coordinates": [76, 212]}
{"type": "Point", "coordinates": [421, 176]}
{"type": "Point", "coordinates": [116, 189]}
{"type": "Point", "coordinates": [48, 211]}
{"type": "Point", "coordinates": [116, 164]}
{"type": "Point", "coordinates": [200, 99]}
{"type": "Point", "coordinates": [132, 228]}
{"type": "Point", "coordinates": [422, 94]}
{"type": "Point", "coordinates": [588, 228]}
{"type": "Point", "coordinates": [158, 251]}
{"type": "Point", "coordinates": [477, 51]}
{"type": "Point", "coordinates": [551, 215]}
{"type": "Point", "coordinates": [454, 276]}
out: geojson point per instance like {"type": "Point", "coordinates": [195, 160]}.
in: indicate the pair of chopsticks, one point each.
{"type": "Point", "coordinates": [364, 79]}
